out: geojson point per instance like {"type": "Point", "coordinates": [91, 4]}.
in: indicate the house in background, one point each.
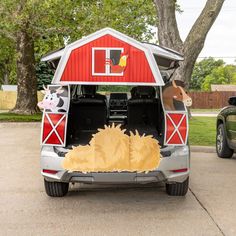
{"type": "Point", "coordinates": [9, 88]}
{"type": "Point", "coordinates": [223, 87]}
{"type": "Point", "coordinates": [8, 95]}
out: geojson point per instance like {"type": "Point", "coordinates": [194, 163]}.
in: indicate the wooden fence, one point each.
{"type": "Point", "coordinates": [201, 100]}
{"type": "Point", "coordinates": [8, 99]}
{"type": "Point", "coordinates": [210, 100]}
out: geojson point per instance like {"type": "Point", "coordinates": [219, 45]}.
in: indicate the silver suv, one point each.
{"type": "Point", "coordinates": [89, 110]}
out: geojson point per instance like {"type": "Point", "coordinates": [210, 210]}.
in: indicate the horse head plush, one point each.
{"type": "Point", "coordinates": [176, 92]}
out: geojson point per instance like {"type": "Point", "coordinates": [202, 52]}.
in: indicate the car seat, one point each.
{"type": "Point", "coordinates": [88, 113]}
{"type": "Point", "coordinates": [143, 109]}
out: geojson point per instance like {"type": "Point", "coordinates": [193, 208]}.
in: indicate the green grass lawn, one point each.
{"type": "Point", "coordinates": [202, 131]}
{"type": "Point", "coordinates": [205, 110]}
{"type": "Point", "coordinates": [9, 117]}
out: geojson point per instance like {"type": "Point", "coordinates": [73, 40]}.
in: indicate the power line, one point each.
{"type": "Point", "coordinates": [219, 57]}
{"type": "Point", "coordinates": [199, 8]}
{"type": "Point", "coordinates": [191, 9]}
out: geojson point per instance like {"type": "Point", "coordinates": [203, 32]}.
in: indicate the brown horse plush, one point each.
{"type": "Point", "coordinates": [174, 92]}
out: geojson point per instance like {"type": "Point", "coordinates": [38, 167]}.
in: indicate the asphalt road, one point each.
{"type": "Point", "coordinates": [208, 208]}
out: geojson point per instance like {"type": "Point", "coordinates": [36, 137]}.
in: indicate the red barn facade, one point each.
{"type": "Point", "coordinates": [108, 57]}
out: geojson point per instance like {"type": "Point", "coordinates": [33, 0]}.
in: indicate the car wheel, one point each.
{"type": "Point", "coordinates": [222, 148]}
{"type": "Point", "coordinates": [56, 189]}
{"type": "Point", "coordinates": [177, 189]}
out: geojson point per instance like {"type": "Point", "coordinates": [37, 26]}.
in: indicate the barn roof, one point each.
{"type": "Point", "coordinates": [156, 49]}
{"type": "Point", "coordinates": [164, 52]}
{"type": "Point", "coordinates": [150, 51]}
{"type": "Point", "coordinates": [53, 55]}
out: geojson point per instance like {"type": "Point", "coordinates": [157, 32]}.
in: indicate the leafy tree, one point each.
{"type": "Point", "coordinates": [220, 75]}
{"type": "Point", "coordinates": [44, 75]}
{"type": "Point", "coordinates": [37, 26]}
{"type": "Point", "coordinates": [133, 18]}
{"type": "Point", "coordinates": [7, 60]}
{"type": "Point", "coordinates": [112, 88]}
{"type": "Point", "coordinates": [203, 69]}
{"type": "Point", "coordinates": [168, 33]}
{"type": "Point", "coordinates": [24, 22]}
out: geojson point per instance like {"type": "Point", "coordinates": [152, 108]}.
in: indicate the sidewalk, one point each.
{"type": "Point", "coordinates": [204, 149]}
{"type": "Point", "coordinates": [205, 114]}
{"type": "Point", "coordinates": [3, 111]}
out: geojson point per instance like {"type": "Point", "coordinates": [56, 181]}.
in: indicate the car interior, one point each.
{"type": "Point", "coordinates": [140, 109]}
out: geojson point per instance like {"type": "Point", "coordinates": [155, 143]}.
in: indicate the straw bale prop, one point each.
{"type": "Point", "coordinates": [112, 150]}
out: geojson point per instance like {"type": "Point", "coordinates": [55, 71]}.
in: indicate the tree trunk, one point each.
{"type": "Point", "coordinates": [168, 33]}
{"type": "Point", "coordinates": [26, 77]}
{"type": "Point", "coordinates": [6, 77]}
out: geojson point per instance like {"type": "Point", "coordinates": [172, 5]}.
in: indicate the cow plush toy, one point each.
{"type": "Point", "coordinates": [53, 101]}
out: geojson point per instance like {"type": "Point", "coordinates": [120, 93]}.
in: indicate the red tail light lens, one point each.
{"type": "Point", "coordinates": [53, 172]}
{"type": "Point", "coordinates": [180, 170]}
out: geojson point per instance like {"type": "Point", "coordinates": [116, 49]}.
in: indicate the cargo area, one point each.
{"type": "Point", "coordinates": [140, 109]}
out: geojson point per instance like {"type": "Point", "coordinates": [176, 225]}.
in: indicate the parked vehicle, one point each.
{"type": "Point", "coordinates": [74, 110]}
{"type": "Point", "coordinates": [226, 130]}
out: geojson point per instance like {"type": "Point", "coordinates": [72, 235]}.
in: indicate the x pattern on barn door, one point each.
{"type": "Point", "coordinates": [54, 129]}
{"type": "Point", "coordinates": [176, 132]}
{"type": "Point", "coordinates": [54, 125]}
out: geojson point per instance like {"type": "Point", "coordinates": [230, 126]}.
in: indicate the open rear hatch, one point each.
{"type": "Point", "coordinates": [78, 111]}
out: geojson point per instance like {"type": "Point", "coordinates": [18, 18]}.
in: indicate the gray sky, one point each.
{"type": "Point", "coordinates": [221, 39]}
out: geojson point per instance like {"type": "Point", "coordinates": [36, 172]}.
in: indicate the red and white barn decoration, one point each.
{"type": "Point", "coordinates": [85, 61]}
{"type": "Point", "coordinates": [54, 124]}
{"type": "Point", "coordinates": [176, 131]}
{"type": "Point", "coordinates": [54, 129]}
{"type": "Point", "coordinates": [109, 57]}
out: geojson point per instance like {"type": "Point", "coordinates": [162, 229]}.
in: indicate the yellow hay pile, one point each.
{"type": "Point", "coordinates": [80, 158]}
{"type": "Point", "coordinates": [144, 152]}
{"type": "Point", "coordinates": [112, 150]}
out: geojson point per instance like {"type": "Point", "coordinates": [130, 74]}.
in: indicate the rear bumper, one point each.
{"type": "Point", "coordinates": [179, 158]}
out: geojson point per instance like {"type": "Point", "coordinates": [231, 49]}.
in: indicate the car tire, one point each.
{"type": "Point", "coordinates": [177, 189]}
{"type": "Point", "coordinates": [56, 189]}
{"type": "Point", "coordinates": [222, 148]}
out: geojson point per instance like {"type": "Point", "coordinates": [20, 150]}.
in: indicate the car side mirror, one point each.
{"type": "Point", "coordinates": [232, 101]}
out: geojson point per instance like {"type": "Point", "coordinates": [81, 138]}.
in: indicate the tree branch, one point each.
{"type": "Point", "coordinates": [7, 35]}
{"type": "Point", "coordinates": [168, 33]}
{"type": "Point", "coordinates": [197, 35]}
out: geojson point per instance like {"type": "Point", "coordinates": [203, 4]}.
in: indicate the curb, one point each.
{"type": "Point", "coordinates": [19, 124]}
{"type": "Point", "coordinates": [203, 115]}
{"type": "Point", "coordinates": [206, 149]}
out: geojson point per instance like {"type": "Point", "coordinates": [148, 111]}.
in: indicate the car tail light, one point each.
{"type": "Point", "coordinates": [180, 170]}
{"type": "Point", "coordinates": [53, 172]}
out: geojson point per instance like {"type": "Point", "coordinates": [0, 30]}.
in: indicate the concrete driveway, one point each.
{"type": "Point", "coordinates": [208, 209]}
